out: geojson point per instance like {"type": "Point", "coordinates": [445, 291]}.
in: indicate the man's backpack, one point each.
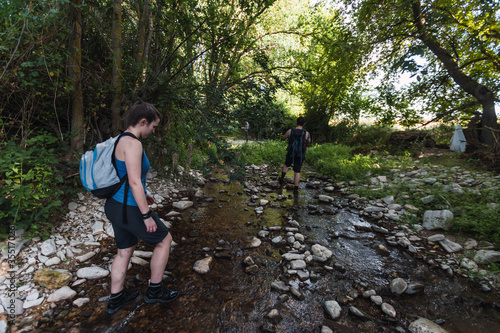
{"type": "Point", "coordinates": [297, 142]}
{"type": "Point", "coordinates": [98, 171]}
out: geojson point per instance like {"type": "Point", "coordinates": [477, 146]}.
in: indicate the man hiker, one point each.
{"type": "Point", "coordinates": [246, 128]}
{"type": "Point", "coordinates": [298, 138]}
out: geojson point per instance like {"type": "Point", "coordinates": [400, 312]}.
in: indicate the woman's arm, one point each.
{"type": "Point", "coordinates": [133, 161]}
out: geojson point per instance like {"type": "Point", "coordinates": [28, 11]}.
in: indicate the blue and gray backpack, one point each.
{"type": "Point", "coordinates": [297, 143]}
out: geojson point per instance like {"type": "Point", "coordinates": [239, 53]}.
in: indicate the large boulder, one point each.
{"type": "Point", "coordinates": [437, 219]}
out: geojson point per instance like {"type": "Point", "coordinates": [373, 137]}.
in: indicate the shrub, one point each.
{"type": "Point", "coordinates": [267, 152]}
{"type": "Point", "coordinates": [29, 182]}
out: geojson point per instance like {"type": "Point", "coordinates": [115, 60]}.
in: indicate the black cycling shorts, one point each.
{"type": "Point", "coordinates": [127, 235]}
{"type": "Point", "coordinates": [296, 161]}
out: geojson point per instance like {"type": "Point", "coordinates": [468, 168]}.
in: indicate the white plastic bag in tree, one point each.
{"type": "Point", "coordinates": [458, 140]}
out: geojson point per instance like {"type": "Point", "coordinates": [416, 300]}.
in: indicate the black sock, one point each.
{"type": "Point", "coordinates": [154, 287]}
{"type": "Point", "coordinates": [295, 188]}
{"type": "Point", "coordinates": [116, 297]}
{"type": "Point", "coordinates": [283, 174]}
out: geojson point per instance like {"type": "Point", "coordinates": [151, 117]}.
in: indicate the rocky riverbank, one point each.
{"type": "Point", "coordinates": [53, 273]}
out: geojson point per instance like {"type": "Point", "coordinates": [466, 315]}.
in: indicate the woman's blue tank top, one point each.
{"type": "Point", "coordinates": [122, 170]}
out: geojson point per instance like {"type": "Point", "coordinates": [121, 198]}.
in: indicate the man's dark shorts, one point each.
{"type": "Point", "coordinates": [296, 161]}
{"type": "Point", "coordinates": [127, 235]}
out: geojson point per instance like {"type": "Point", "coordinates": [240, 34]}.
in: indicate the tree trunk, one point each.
{"type": "Point", "coordinates": [116, 38]}
{"type": "Point", "coordinates": [75, 75]}
{"type": "Point", "coordinates": [470, 86]}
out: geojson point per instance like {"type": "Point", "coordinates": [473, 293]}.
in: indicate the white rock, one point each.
{"type": "Point", "coordinates": [388, 309]}
{"type": "Point", "coordinates": [31, 303]}
{"type": "Point", "coordinates": [81, 302]}
{"type": "Point", "coordinates": [263, 202]}
{"type": "Point", "coordinates": [61, 294]}
{"type": "Point", "coordinates": [139, 261]}
{"type": "Point", "coordinates": [86, 256]}
{"type": "Point", "coordinates": [333, 309]}
{"type": "Point", "coordinates": [97, 228]}
{"type": "Point", "coordinates": [293, 256]}
{"type": "Point", "coordinates": [182, 205]}
{"type": "Point", "coordinates": [48, 247]}
{"type": "Point", "coordinates": [449, 246]}
{"type": "Point", "coordinates": [255, 242]}
{"type": "Point", "coordinates": [203, 266]}
{"type": "Point", "coordinates": [53, 261]}
{"type": "Point", "coordinates": [325, 198]}
{"type": "Point", "coordinates": [487, 256]}
{"type": "Point", "coordinates": [297, 264]}
{"type": "Point", "coordinates": [321, 251]}
{"type": "Point", "coordinates": [91, 273]}
{"type": "Point", "coordinates": [398, 286]}
{"type": "Point", "coordinates": [423, 325]}
{"type": "Point", "coordinates": [143, 254]}
{"type": "Point", "coordinates": [376, 299]}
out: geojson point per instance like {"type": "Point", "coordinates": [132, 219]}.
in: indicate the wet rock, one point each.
{"type": "Point", "coordinates": [325, 198]}
{"type": "Point", "coordinates": [297, 293]}
{"type": "Point", "coordinates": [398, 286]}
{"type": "Point", "coordinates": [437, 219]}
{"type": "Point", "coordinates": [52, 279]}
{"type": "Point", "coordinates": [449, 246]}
{"type": "Point", "coordinates": [280, 286]}
{"type": "Point", "coordinates": [487, 257]}
{"type": "Point", "coordinates": [203, 266]}
{"type": "Point", "coordinates": [81, 302]}
{"type": "Point", "coordinates": [333, 309]}
{"type": "Point", "coordinates": [376, 299]}
{"type": "Point", "coordinates": [369, 293]}
{"type": "Point", "coordinates": [355, 311]}
{"type": "Point", "coordinates": [321, 252]}
{"type": "Point", "coordinates": [388, 309]}
{"type": "Point", "coordinates": [423, 325]}
{"type": "Point", "coordinates": [415, 288]}
{"type": "Point", "coordinates": [61, 294]}
{"type": "Point", "coordinates": [92, 273]}
{"type": "Point", "coordinates": [252, 269]}
{"type": "Point", "coordinates": [277, 240]}
{"type": "Point", "coordinates": [48, 247]}
{"type": "Point", "coordinates": [255, 242]}
{"type": "Point", "coordinates": [326, 329]}
{"type": "Point", "coordinates": [182, 205]}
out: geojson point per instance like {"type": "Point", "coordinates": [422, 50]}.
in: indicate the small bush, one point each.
{"type": "Point", "coordinates": [337, 162]}
{"type": "Point", "coordinates": [271, 152]}
{"type": "Point", "coordinates": [29, 182]}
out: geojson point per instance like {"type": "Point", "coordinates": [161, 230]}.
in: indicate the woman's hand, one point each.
{"type": "Point", "coordinates": [150, 225]}
{"type": "Point", "coordinates": [150, 199]}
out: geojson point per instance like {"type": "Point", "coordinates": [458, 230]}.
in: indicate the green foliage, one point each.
{"type": "Point", "coordinates": [337, 162]}
{"type": "Point", "coordinates": [367, 136]}
{"type": "Point", "coordinates": [29, 182]}
{"type": "Point", "coordinates": [270, 152]}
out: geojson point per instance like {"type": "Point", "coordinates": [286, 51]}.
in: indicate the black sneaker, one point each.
{"type": "Point", "coordinates": [127, 297]}
{"type": "Point", "coordinates": [280, 181]}
{"type": "Point", "coordinates": [164, 295]}
{"type": "Point", "coordinates": [295, 191]}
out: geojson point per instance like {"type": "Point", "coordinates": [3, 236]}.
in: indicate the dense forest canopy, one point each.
{"type": "Point", "coordinates": [71, 67]}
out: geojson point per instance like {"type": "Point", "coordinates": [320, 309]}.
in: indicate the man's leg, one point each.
{"type": "Point", "coordinates": [284, 170]}
{"type": "Point", "coordinates": [296, 179]}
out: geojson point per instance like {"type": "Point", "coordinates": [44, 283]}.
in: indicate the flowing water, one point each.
{"type": "Point", "coordinates": [227, 299]}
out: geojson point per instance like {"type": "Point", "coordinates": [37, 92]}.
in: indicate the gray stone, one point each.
{"type": "Point", "coordinates": [355, 311]}
{"type": "Point", "coordinates": [280, 286]}
{"type": "Point", "coordinates": [325, 198]}
{"type": "Point", "coordinates": [414, 288]}
{"type": "Point", "coordinates": [435, 238]}
{"type": "Point", "coordinates": [61, 294]}
{"type": "Point", "coordinates": [449, 246]}
{"type": "Point", "coordinates": [427, 200]}
{"type": "Point", "coordinates": [81, 302]}
{"type": "Point", "coordinates": [92, 273]}
{"type": "Point", "coordinates": [86, 256]}
{"type": "Point", "coordinates": [255, 242]}
{"type": "Point", "coordinates": [376, 299]}
{"type": "Point", "coordinates": [53, 261]}
{"type": "Point", "coordinates": [139, 261]}
{"type": "Point", "coordinates": [423, 325]}
{"type": "Point", "coordinates": [182, 205]}
{"type": "Point", "coordinates": [487, 256]}
{"type": "Point", "coordinates": [72, 206]}
{"type": "Point", "coordinates": [469, 265]}
{"type": "Point", "coordinates": [48, 247]}
{"type": "Point", "coordinates": [293, 256]}
{"type": "Point", "coordinates": [203, 266]}
{"type": "Point", "coordinates": [388, 309]}
{"type": "Point", "coordinates": [326, 329]}
{"type": "Point", "coordinates": [31, 303]}
{"type": "Point", "coordinates": [321, 251]}
{"type": "Point", "coordinates": [437, 219]}
{"type": "Point", "coordinates": [398, 286]}
{"type": "Point", "coordinates": [297, 264]}
{"type": "Point", "coordinates": [470, 244]}
{"type": "Point", "coordinates": [333, 309]}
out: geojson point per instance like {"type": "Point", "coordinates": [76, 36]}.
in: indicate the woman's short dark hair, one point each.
{"type": "Point", "coordinates": [139, 111]}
